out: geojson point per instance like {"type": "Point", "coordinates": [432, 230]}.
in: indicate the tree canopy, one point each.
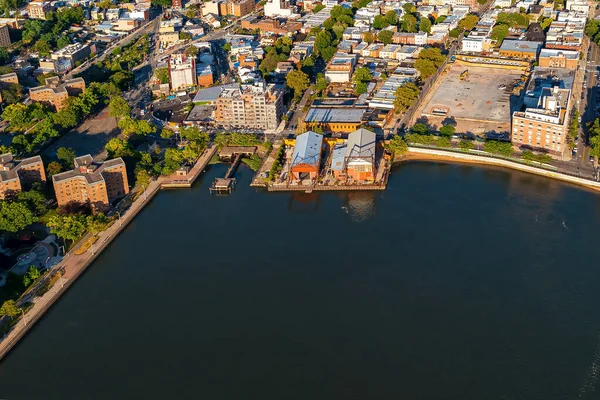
{"type": "Point", "coordinates": [405, 96]}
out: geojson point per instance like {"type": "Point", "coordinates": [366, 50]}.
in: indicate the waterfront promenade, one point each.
{"type": "Point", "coordinates": [73, 265]}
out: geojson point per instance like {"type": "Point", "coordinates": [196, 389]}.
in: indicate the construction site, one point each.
{"type": "Point", "coordinates": [479, 99]}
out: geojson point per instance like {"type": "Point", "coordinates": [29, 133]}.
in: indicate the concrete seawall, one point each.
{"type": "Point", "coordinates": [421, 154]}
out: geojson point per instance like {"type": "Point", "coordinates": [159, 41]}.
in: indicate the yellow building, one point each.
{"type": "Point", "coordinates": [335, 120]}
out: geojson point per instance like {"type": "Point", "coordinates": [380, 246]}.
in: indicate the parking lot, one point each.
{"type": "Point", "coordinates": [482, 102]}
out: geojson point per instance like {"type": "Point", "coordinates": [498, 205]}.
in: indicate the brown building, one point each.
{"type": "Point", "coordinates": [39, 9]}
{"type": "Point", "coordinates": [4, 36]}
{"type": "Point", "coordinates": [18, 175]}
{"type": "Point", "coordinates": [55, 94]}
{"type": "Point", "coordinates": [239, 8]}
{"type": "Point", "coordinates": [554, 58]}
{"type": "Point", "coordinates": [95, 184]}
{"type": "Point", "coordinates": [267, 25]}
{"type": "Point", "coordinates": [521, 49]}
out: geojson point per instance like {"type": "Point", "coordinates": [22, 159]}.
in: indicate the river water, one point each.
{"type": "Point", "coordinates": [458, 282]}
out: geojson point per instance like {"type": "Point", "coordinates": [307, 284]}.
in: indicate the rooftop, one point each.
{"type": "Point", "coordinates": [334, 115]}
{"type": "Point", "coordinates": [86, 168]}
{"type": "Point", "coordinates": [307, 149]}
{"type": "Point", "coordinates": [520, 45]}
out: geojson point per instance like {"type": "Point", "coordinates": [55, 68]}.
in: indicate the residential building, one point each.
{"type": "Point", "coordinates": [182, 71]}
{"type": "Point", "coordinates": [97, 184]}
{"type": "Point", "coordinates": [278, 8]}
{"type": "Point", "coordinates": [239, 8]}
{"type": "Point", "coordinates": [306, 156]}
{"type": "Point", "coordinates": [544, 126]}
{"type": "Point", "coordinates": [4, 36]}
{"type": "Point", "coordinates": [256, 106]}
{"type": "Point", "coordinates": [476, 43]}
{"type": "Point", "coordinates": [274, 26]}
{"type": "Point", "coordinates": [18, 175]}
{"type": "Point", "coordinates": [39, 9]}
{"type": "Point", "coordinates": [55, 94]}
{"type": "Point", "coordinates": [419, 38]}
{"type": "Point", "coordinates": [535, 33]}
{"type": "Point", "coordinates": [73, 52]}
{"type": "Point", "coordinates": [9, 78]}
{"type": "Point", "coordinates": [340, 68]}
{"type": "Point", "coordinates": [176, 4]}
{"type": "Point", "coordinates": [521, 49]}
{"type": "Point", "coordinates": [168, 37]}
{"type": "Point", "coordinates": [553, 58]}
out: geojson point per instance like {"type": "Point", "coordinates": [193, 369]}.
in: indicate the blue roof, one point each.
{"type": "Point", "coordinates": [307, 149]}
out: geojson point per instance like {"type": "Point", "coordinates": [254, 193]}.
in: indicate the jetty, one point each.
{"type": "Point", "coordinates": [234, 154]}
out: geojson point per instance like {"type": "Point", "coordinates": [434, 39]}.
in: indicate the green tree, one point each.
{"type": "Point", "coordinates": [67, 227]}
{"type": "Point", "coordinates": [162, 74]}
{"type": "Point", "coordinates": [10, 309]}
{"type": "Point", "coordinates": [67, 156]}
{"type": "Point", "coordinates": [362, 74]}
{"type": "Point", "coordinates": [360, 88]}
{"type": "Point", "coordinates": [425, 25]}
{"type": "Point", "coordinates": [454, 33]}
{"type": "Point", "coordinates": [391, 17]}
{"type": "Point", "coordinates": [447, 130]}
{"type": "Point", "coordinates": [405, 96]}
{"type": "Point", "coordinates": [31, 276]}
{"type": "Point", "coordinates": [397, 146]}
{"type": "Point", "coordinates": [328, 53]}
{"type": "Point", "coordinates": [67, 117]}
{"type": "Point", "coordinates": [318, 8]}
{"type": "Point", "coordinates": [369, 37]}
{"type": "Point", "coordinates": [63, 41]}
{"type": "Point", "coordinates": [420, 129]}
{"type": "Point", "coordinates": [499, 33]}
{"type": "Point", "coordinates": [466, 144]}
{"type": "Point", "coordinates": [117, 147]}
{"type": "Point", "coordinates": [497, 147]}
{"type": "Point", "coordinates": [15, 216]}
{"type": "Point", "coordinates": [385, 36]}
{"type": "Point", "coordinates": [227, 47]}
{"type": "Point", "coordinates": [428, 61]}
{"type": "Point", "coordinates": [54, 168]}
{"type": "Point", "coordinates": [298, 81]}
{"type": "Point", "coordinates": [118, 108]}
{"type": "Point", "coordinates": [323, 40]}
{"type": "Point", "coordinates": [142, 178]}
{"type": "Point", "coordinates": [468, 22]}
{"type": "Point", "coordinates": [173, 160]}
{"type": "Point", "coordinates": [409, 23]}
{"type": "Point", "coordinates": [96, 223]}
{"type": "Point", "coordinates": [192, 51]}
{"type": "Point", "coordinates": [380, 22]}
{"type": "Point", "coordinates": [34, 199]}
{"type": "Point", "coordinates": [321, 83]}
{"type": "Point", "coordinates": [443, 142]}
{"type": "Point", "coordinates": [12, 93]}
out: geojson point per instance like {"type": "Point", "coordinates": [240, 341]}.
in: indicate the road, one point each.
{"type": "Point", "coordinates": [588, 104]}
{"type": "Point", "coordinates": [148, 27]}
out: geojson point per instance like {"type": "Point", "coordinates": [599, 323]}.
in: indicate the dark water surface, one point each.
{"type": "Point", "coordinates": [455, 283]}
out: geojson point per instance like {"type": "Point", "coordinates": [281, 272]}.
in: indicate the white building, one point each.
{"type": "Point", "coordinates": [278, 8]}
{"type": "Point", "coordinates": [182, 71]}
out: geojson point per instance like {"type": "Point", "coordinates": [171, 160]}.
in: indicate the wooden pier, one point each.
{"type": "Point", "coordinates": [231, 153]}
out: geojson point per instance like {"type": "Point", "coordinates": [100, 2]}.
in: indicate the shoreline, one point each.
{"type": "Point", "coordinates": [75, 265]}
{"type": "Point", "coordinates": [439, 155]}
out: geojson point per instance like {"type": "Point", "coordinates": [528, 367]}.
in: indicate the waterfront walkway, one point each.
{"type": "Point", "coordinates": [73, 265]}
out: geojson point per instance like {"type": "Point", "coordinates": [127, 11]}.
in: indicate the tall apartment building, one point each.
{"type": "Point", "coordinates": [258, 106]}
{"type": "Point", "coordinates": [544, 126]}
{"type": "Point", "coordinates": [55, 94]}
{"type": "Point", "coordinates": [39, 9]}
{"type": "Point", "coordinates": [17, 175]}
{"type": "Point", "coordinates": [182, 71]}
{"type": "Point", "coordinates": [90, 183]}
{"type": "Point", "coordinates": [278, 8]}
{"type": "Point", "coordinates": [4, 36]}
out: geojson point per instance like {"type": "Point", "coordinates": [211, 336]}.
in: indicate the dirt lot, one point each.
{"type": "Point", "coordinates": [476, 103]}
{"type": "Point", "coordinates": [89, 138]}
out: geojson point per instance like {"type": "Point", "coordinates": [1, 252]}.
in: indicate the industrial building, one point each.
{"type": "Point", "coordinates": [354, 160]}
{"type": "Point", "coordinates": [306, 156]}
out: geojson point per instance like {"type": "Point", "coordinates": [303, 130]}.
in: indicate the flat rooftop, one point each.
{"type": "Point", "coordinates": [334, 115]}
